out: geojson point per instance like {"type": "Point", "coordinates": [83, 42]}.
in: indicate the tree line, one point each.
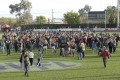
{"type": "Point", "coordinates": [23, 15]}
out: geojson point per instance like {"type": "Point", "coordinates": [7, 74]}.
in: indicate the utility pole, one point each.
{"type": "Point", "coordinates": [118, 6]}
{"type": "Point", "coordinates": [52, 15]}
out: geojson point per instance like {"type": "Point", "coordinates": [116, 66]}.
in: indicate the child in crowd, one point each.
{"type": "Point", "coordinates": [105, 55]}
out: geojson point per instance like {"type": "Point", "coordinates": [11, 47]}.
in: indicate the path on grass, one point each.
{"type": "Point", "coordinates": [55, 65]}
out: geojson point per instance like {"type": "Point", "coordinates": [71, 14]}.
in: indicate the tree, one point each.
{"type": "Point", "coordinates": [5, 20]}
{"type": "Point", "coordinates": [87, 8]}
{"type": "Point", "coordinates": [72, 17]}
{"type": "Point", "coordinates": [84, 13]}
{"type": "Point", "coordinates": [41, 20]}
{"type": "Point", "coordinates": [26, 18]}
{"type": "Point", "coordinates": [111, 14]}
{"type": "Point", "coordinates": [22, 11]}
{"type": "Point", "coordinates": [48, 21]}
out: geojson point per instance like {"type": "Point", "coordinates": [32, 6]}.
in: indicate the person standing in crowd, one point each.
{"type": "Point", "coordinates": [53, 43]}
{"type": "Point", "coordinates": [2, 46]}
{"type": "Point", "coordinates": [22, 57]}
{"type": "Point", "coordinates": [114, 46]}
{"type": "Point", "coordinates": [45, 44]}
{"type": "Point", "coordinates": [117, 39]}
{"type": "Point", "coordinates": [110, 45]}
{"type": "Point", "coordinates": [63, 44]}
{"type": "Point", "coordinates": [105, 55]}
{"type": "Point", "coordinates": [79, 50]}
{"type": "Point", "coordinates": [4, 37]}
{"type": "Point", "coordinates": [32, 42]}
{"type": "Point", "coordinates": [39, 57]}
{"type": "Point", "coordinates": [73, 46]}
{"type": "Point", "coordinates": [27, 43]}
{"type": "Point", "coordinates": [38, 40]}
{"type": "Point", "coordinates": [26, 65]}
{"type": "Point", "coordinates": [8, 46]}
{"type": "Point", "coordinates": [20, 45]}
{"type": "Point", "coordinates": [93, 46]}
{"type": "Point", "coordinates": [83, 48]}
{"type": "Point", "coordinates": [31, 56]}
{"type": "Point", "coordinates": [16, 45]}
{"type": "Point", "coordinates": [85, 40]}
{"type": "Point", "coordinates": [98, 45]}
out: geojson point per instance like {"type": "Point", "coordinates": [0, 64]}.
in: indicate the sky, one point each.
{"type": "Point", "coordinates": [44, 7]}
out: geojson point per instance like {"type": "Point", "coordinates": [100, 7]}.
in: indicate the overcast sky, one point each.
{"type": "Point", "coordinates": [44, 7]}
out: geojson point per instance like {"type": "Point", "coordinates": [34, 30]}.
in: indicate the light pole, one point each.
{"type": "Point", "coordinates": [52, 16]}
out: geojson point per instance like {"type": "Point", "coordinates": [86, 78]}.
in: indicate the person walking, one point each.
{"type": "Point", "coordinates": [93, 46]}
{"type": "Point", "coordinates": [53, 43]}
{"type": "Point", "coordinates": [114, 46]}
{"type": "Point", "coordinates": [20, 45]}
{"type": "Point", "coordinates": [26, 65]}
{"type": "Point", "coordinates": [8, 46]}
{"type": "Point", "coordinates": [22, 57]}
{"type": "Point", "coordinates": [83, 48]}
{"type": "Point", "coordinates": [79, 50]}
{"type": "Point", "coordinates": [2, 46]}
{"type": "Point", "coordinates": [31, 56]}
{"type": "Point", "coordinates": [110, 45]}
{"type": "Point", "coordinates": [16, 45]}
{"type": "Point", "coordinates": [39, 57]}
{"type": "Point", "coordinates": [105, 54]}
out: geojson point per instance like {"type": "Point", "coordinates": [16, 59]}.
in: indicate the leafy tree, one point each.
{"type": "Point", "coordinates": [41, 20]}
{"type": "Point", "coordinates": [5, 20]}
{"type": "Point", "coordinates": [22, 11]}
{"type": "Point", "coordinates": [111, 14]}
{"type": "Point", "coordinates": [48, 21]}
{"type": "Point", "coordinates": [72, 17]}
{"type": "Point", "coordinates": [87, 8]}
{"type": "Point", "coordinates": [84, 13]}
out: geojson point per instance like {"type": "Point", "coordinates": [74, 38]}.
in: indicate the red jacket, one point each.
{"type": "Point", "coordinates": [105, 54]}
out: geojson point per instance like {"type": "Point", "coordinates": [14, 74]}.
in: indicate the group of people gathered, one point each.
{"type": "Point", "coordinates": [68, 42]}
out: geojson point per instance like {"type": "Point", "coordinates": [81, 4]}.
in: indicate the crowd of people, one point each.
{"type": "Point", "coordinates": [67, 41]}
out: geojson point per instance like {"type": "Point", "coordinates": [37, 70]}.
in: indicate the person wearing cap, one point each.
{"type": "Point", "coordinates": [105, 55]}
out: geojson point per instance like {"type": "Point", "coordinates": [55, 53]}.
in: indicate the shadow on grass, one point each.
{"type": "Point", "coordinates": [76, 69]}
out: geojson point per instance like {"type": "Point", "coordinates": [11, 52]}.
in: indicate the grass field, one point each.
{"type": "Point", "coordinates": [91, 68]}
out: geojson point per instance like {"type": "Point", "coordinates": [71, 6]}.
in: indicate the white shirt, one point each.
{"type": "Point", "coordinates": [31, 55]}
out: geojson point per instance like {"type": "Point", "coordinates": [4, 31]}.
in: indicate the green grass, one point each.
{"type": "Point", "coordinates": [91, 69]}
